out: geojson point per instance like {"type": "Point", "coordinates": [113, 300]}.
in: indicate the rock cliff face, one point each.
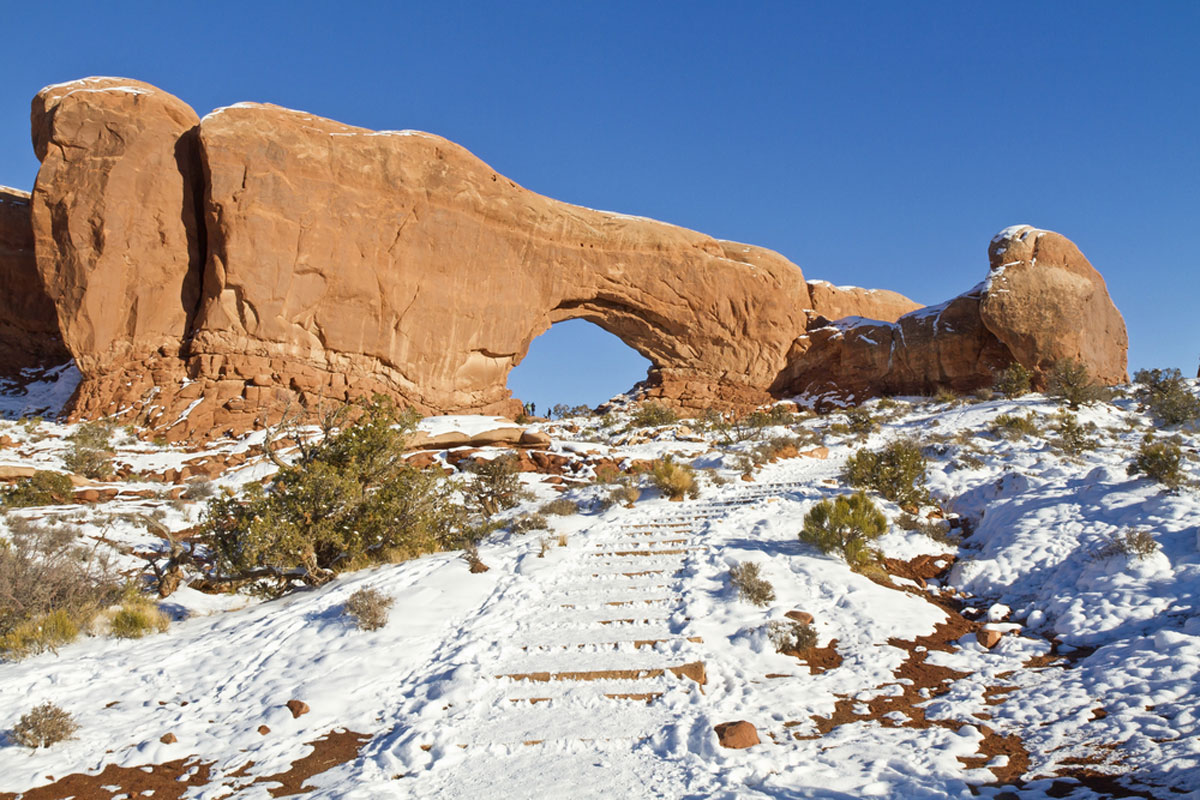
{"type": "Point", "coordinates": [29, 334]}
{"type": "Point", "coordinates": [207, 271]}
{"type": "Point", "coordinates": [115, 228]}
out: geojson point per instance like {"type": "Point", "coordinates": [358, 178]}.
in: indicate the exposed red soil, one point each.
{"type": "Point", "coordinates": [331, 750]}
{"type": "Point", "coordinates": [168, 781]}
{"type": "Point", "coordinates": [818, 659]}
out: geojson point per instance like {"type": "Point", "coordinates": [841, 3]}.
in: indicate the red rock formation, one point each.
{"type": "Point", "coordinates": [29, 334]}
{"type": "Point", "coordinates": [325, 261]}
{"type": "Point", "coordinates": [1045, 302]}
{"type": "Point", "coordinates": [115, 229]}
{"type": "Point", "coordinates": [836, 302]}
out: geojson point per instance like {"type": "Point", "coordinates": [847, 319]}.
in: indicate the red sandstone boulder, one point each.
{"type": "Point", "coordinates": [297, 707]}
{"type": "Point", "coordinates": [1045, 302]}
{"type": "Point", "coordinates": [29, 334]}
{"type": "Point", "coordinates": [737, 735]}
{"type": "Point", "coordinates": [114, 220]}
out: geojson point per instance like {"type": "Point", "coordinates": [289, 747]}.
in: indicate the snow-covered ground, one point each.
{"type": "Point", "coordinates": [599, 668]}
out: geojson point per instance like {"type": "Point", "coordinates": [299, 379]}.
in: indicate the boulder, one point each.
{"type": "Point", "coordinates": [29, 335]}
{"type": "Point", "coordinates": [803, 617]}
{"type": "Point", "coordinates": [836, 302]}
{"type": "Point", "coordinates": [297, 707]}
{"type": "Point", "coordinates": [115, 224]}
{"type": "Point", "coordinates": [737, 735]}
{"type": "Point", "coordinates": [1045, 302]}
{"type": "Point", "coordinates": [989, 637]}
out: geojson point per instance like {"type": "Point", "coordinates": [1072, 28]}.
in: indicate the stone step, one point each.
{"type": "Point", "coordinates": [694, 670]}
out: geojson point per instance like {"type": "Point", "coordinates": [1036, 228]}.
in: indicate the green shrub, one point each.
{"type": "Point", "coordinates": [1167, 396]}
{"type": "Point", "coordinates": [1070, 382]}
{"type": "Point", "coordinates": [350, 499]}
{"type": "Point", "coordinates": [897, 472]}
{"type": "Point", "coordinates": [674, 479]}
{"type": "Point", "coordinates": [789, 636]}
{"type": "Point", "coordinates": [369, 608]}
{"type": "Point", "coordinates": [653, 415]}
{"type": "Point", "coordinates": [1160, 460]}
{"type": "Point", "coordinates": [750, 584]}
{"type": "Point", "coordinates": [1073, 437]}
{"type": "Point", "coordinates": [50, 587]}
{"type": "Point", "coordinates": [845, 526]}
{"type": "Point", "coordinates": [1010, 426]}
{"type": "Point", "coordinates": [494, 485]}
{"type": "Point", "coordinates": [137, 617]}
{"type": "Point", "coordinates": [43, 726]}
{"type": "Point", "coordinates": [560, 507]}
{"type": "Point", "coordinates": [43, 488]}
{"type": "Point", "coordinates": [1013, 381]}
{"type": "Point", "coordinates": [860, 421]}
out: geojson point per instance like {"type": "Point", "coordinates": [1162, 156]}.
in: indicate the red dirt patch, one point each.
{"type": "Point", "coordinates": [331, 750]}
{"type": "Point", "coordinates": [168, 781]}
{"type": "Point", "coordinates": [818, 659]}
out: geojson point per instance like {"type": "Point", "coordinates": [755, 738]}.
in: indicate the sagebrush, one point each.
{"type": "Point", "coordinates": [369, 608]}
{"type": "Point", "coordinates": [43, 726]}
{"type": "Point", "coordinates": [674, 479]}
{"type": "Point", "coordinates": [751, 586]}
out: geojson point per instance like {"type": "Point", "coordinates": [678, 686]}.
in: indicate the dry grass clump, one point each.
{"type": "Point", "coordinates": [560, 507]}
{"type": "Point", "coordinates": [625, 495]}
{"type": "Point", "coordinates": [529, 522]}
{"type": "Point", "coordinates": [674, 479]}
{"type": "Point", "coordinates": [44, 725]}
{"type": "Point", "coordinates": [137, 616]}
{"type": "Point", "coordinates": [1010, 426]}
{"type": "Point", "coordinates": [369, 608]}
{"type": "Point", "coordinates": [791, 637]}
{"type": "Point", "coordinates": [750, 584]}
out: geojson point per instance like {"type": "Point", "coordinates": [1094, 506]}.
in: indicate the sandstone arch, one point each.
{"type": "Point", "coordinates": [205, 270]}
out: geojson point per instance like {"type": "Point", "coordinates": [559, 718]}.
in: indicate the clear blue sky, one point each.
{"type": "Point", "coordinates": [878, 144]}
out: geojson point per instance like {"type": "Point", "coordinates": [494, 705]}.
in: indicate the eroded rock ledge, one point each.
{"type": "Point", "coordinates": [204, 272]}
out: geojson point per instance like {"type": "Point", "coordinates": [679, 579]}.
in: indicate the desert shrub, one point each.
{"type": "Point", "coordinates": [90, 454]}
{"type": "Point", "coordinates": [43, 488]}
{"type": "Point", "coordinates": [529, 522]}
{"type": "Point", "coordinates": [494, 485]}
{"type": "Point", "coordinates": [50, 587]}
{"type": "Point", "coordinates": [860, 421]}
{"type": "Point", "coordinates": [714, 477]}
{"type": "Point", "coordinates": [1160, 460]}
{"type": "Point", "coordinates": [936, 529]}
{"type": "Point", "coordinates": [44, 725]}
{"type": "Point", "coordinates": [845, 526]}
{"type": "Point", "coordinates": [1013, 381]}
{"type": "Point", "coordinates": [653, 415]}
{"type": "Point", "coordinates": [1132, 543]}
{"type": "Point", "coordinates": [137, 617]}
{"type": "Point", "coordinates": [1073, 438]}
{"type": "Point", "coordinates": [789, 636]}
{"type": "Point", "coordinates": [349, 499]}
{"type": "Point", "coordinates": [560, 507]}
{"type": "Point", "coordinates": [777, 447]}
{"type": "Point", "coordinates": [1010, 426]}
{"type": "Point", "coordinates": [750, 584]}
{"type": "Point", "coordinates": [1070, 382]}
{"type": "Point", "coordinates": [625, 495]}
{"type": "Point", "coordinates": [369, 608]}
{"type": "Point", "coordinates": [200, 489]}
{"type": "Point", "coordinates": [673, 478]}
{"type": "Point", "coordinates": [1167, 396]}
{"type": "Point", "coordinates": [946, 396]}
{"type": "Point", "coordinates": [897, 472]}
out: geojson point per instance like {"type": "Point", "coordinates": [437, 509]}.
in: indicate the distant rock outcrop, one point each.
{"type": "Point", "coordinates": [29, 334]}
{"type": "Point", "coordinates": [206, 272]}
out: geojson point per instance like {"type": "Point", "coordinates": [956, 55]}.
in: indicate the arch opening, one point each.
{"type": "Point", "coordinates": [576, 363]}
